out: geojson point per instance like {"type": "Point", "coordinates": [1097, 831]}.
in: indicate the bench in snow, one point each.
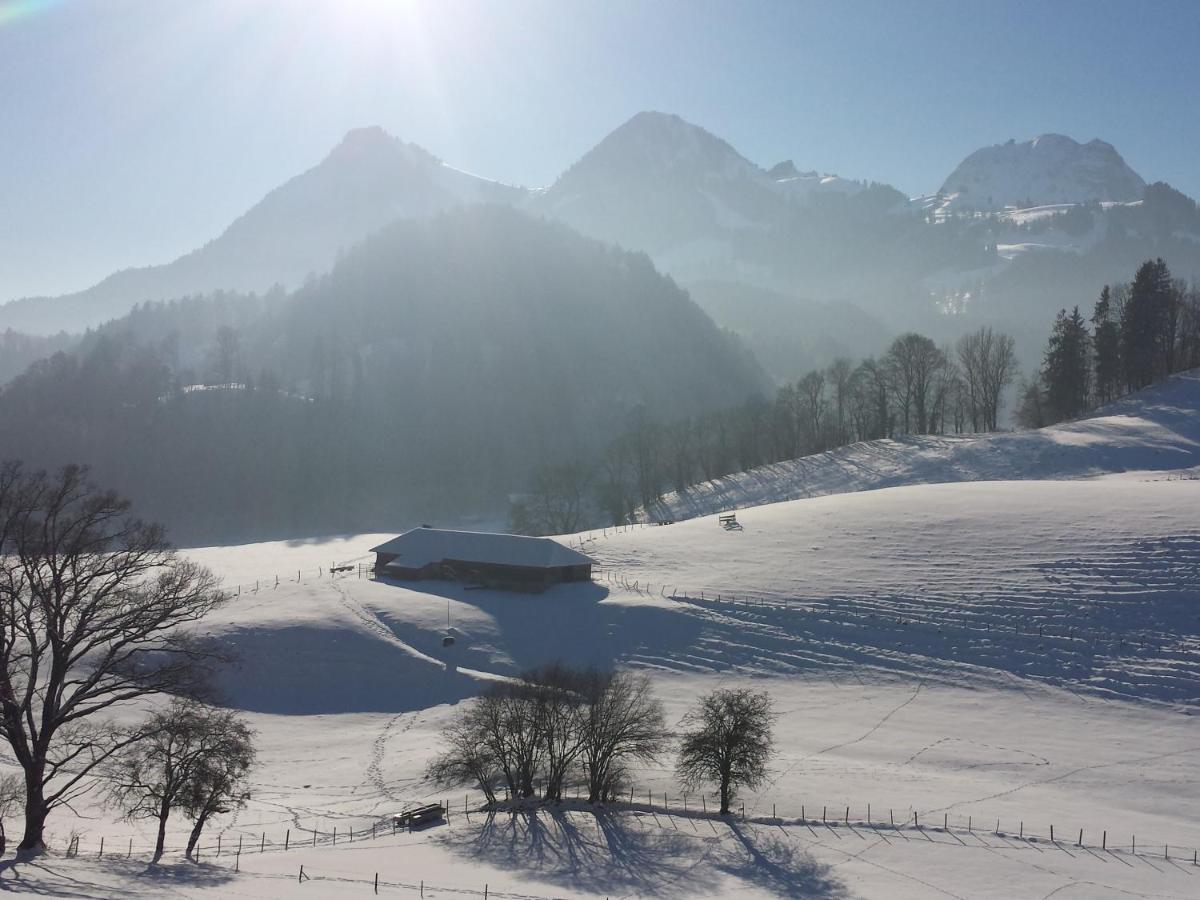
{"type": "Point", "coordinates": [421, 815]}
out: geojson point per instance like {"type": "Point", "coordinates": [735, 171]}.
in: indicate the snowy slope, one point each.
{"type": "Point", "coordinates": [1051, 168]}
{"type": "Point", "coordinates": [960, 670]}
{"type": "Point", "coordinates": [1156, 429]}
{"type": "Point", "coordinates": [898, 631]}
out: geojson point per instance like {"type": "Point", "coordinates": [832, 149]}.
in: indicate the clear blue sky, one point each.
{"type": "Point", "coordinates": [134, 130]}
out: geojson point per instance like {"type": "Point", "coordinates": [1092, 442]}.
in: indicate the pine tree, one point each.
{"type": "Point", "coordinates": [1107, 342]}
{"type": "Point", "coordinates": [1067, 370]}
{"type": "Point", "coordinates": [1146, 325]}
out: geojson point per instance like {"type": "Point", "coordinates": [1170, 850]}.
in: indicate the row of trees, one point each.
{"type": "Point", "coordinates": [94, 609]}
{"type": "Point", "coordinates": [555, 726]}
{"type": "Point", "coordinates": [916, 387]}
{"type": "Point", "coordinates": [1140, 333]}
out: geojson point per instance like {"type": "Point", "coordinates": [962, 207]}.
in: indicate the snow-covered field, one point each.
{"type": "Point", "coordinates": [977, 661]}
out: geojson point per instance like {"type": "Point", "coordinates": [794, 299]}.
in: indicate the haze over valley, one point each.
{"type": "Point", "coordinates": [572, 450]}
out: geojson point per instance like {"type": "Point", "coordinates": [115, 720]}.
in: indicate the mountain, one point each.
{"type": "Point", "coordinates": [682, 194]}
{"type": "Point", "coordinates": [661, 184]}
{"type": "Point", "coordinates": [1052, 168]}
{"type": "Point", "coordinates": [709, 216]}
{"type": "Point", "coordinates": [774, 252]}
{"type": "Point", "coordinates": [420, 380]}
{"type": "Point", "coordinates": [298, 229]}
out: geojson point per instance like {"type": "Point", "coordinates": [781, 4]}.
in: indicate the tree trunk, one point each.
{"type": "Point", "coordinates": [725, 798]}
{"type": "Point", "coordinates": [194, 838]}
{"type": "Point", "coordinates": [160, 844]}
{"type": "Point", "coordinates": [35, 811]}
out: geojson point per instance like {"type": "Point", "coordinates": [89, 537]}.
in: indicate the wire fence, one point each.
{"type": "Point", "coordinates": [835, 821]}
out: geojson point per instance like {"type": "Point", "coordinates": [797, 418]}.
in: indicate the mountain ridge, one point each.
{"type": "Point", "coordinates": [1050, 168]}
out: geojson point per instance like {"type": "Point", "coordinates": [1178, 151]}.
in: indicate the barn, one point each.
{"type": "Point", "coordinates": [506, 561]}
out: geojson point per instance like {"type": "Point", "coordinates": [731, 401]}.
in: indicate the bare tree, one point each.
{"type": "Point", "coordinates": [556, 694]}
{"type": "Point", "coordinates": [623, 722]}
{"type": "Point", "coordinates": [680, 441]}
{"type": "Point", "coordinates": [469, 756]}
{"type": "Point", "coordinates": [728, 740]}
{"type": "Point", "coordinates": [556, 502]}
{"type": "Point", "coordinates": [553, 720]}
{"type": "Point", "coordinates": [913, 362]}
{"type": "Point", "coordinates": [191, 757]}
{"type": "Point", "coordinates": [813, 405]}
{"type": "Point", "coordinates": [12, 792]}
{"type": "Point", "coordinates": [873, 400]}
{"type": "Point", "coordinates": [91, 604]}
{"type": "Point", "coordinates": [988, 361]}
{"type": "Point", "coordinates": [219, 784]}
{"type": "Point", "coordinates": [841, 376]}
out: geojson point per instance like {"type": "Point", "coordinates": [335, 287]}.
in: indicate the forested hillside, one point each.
{"type": "Point", "coordinates": [422, 379]}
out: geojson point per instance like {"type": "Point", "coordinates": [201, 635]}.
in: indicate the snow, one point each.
{"type": "Point", "coordinates": [994, 635]}
{"type": "Point", "coordinates": [1050, 169]}
{"type": "Point", "coordinates": [1158, 429]}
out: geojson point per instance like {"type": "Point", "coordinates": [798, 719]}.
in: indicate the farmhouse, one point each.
{"type": "Point", "coordinates": [508, 561]}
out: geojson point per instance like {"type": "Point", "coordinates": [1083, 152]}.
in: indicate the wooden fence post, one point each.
{"type": "Point", "coordinates": [287, 839]}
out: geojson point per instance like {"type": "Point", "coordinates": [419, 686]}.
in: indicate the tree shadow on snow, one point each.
{"type": "Point", "coordinates": [48, 876]}
{"type": "Point", "coordinates": [601, 854]}
{"type": "Point", "coordinates": [773, 863]}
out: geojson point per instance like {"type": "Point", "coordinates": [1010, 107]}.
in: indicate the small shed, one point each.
{"type": "Point", "coordinates": [506, 561]}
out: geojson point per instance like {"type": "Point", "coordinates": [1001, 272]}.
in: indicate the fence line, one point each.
{"type": "Point", "coordinates": [1026, 833]}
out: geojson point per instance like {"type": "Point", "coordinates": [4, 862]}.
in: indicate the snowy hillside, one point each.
{"type": "Point", "coordinates": [985, 690]}
{"type": "Point", "coordinates": [1156, 429]}
{"type": "Point", "coordinates": [1051, 168]}
{"type": "Point", "coordinates": [968, 662]}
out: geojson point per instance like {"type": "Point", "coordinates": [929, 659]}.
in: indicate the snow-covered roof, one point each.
{"type": "Point", "coordinates": [421, 546]}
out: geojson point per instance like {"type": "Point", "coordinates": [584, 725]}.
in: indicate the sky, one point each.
{"type": "Point", "coordinates": [132, 131]}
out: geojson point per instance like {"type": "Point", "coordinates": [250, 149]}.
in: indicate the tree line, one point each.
{"type": "Point", "coordinates": [916, 387]}
{"type": "Point", "coordinates": [555, 727]}
{"type": "Point", "coordinates": [415, 382]}
{"type": "Point", "coordinates": [1140, 333]}
{"type": "Point", "coordinates": [94, 615]}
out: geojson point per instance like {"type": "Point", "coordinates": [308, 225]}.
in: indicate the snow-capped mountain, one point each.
{"type": "Point", "coordinates": [803, 184]}
{"type": "Point", "coordinates": [1052, 168]}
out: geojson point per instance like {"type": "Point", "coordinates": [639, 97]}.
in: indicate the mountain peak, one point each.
{"type": "Point", "coordinates": [1050, 168]}
{"type": "Point", "coordinates": [653, 145]}
{"type": "Point", "coordinates": [785, 169]}
{"type": "Point", "coordinates": [372, 143]}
